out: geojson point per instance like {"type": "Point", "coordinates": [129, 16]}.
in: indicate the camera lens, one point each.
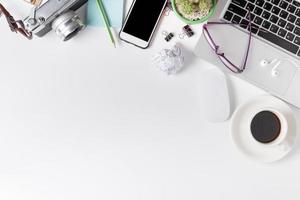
{"type": "Point", "coordinates": [67, 25]}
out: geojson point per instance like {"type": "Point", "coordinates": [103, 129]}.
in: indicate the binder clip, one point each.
{"type": "Point", "coordinates": [187, 31]}
{"type": "Point", "coordinates": [168, 36]}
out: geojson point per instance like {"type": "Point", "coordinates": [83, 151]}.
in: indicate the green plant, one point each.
{"type": "Point", "coordinates": [187, 6]}
{"type": "Point", "coordinates": [194, 11]}
{"type": "Point", "coordinates": [190, 6]}
{"type": "Point", "coordinates": [204, 5]}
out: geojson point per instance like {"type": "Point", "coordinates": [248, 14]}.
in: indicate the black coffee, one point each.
{"type": "Point", "coordinates": [265, 127]}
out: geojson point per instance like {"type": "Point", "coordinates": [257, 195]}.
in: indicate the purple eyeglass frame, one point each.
{"type": "Point", "coordinates": [232, 67]}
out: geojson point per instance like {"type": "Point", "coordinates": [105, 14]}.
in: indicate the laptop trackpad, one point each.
{"type": "Point", "coordinates": [267, 67]}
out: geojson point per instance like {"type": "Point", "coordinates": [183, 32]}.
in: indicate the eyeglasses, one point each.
{"type": "Point", "coordinates": [216, 48]}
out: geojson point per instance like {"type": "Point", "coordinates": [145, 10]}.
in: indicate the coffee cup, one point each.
{"type": "Point", "coordinates": [269, 127]}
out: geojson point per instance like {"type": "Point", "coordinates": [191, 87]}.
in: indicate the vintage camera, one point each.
{"type": "Point", "coordinates": [59, 15]}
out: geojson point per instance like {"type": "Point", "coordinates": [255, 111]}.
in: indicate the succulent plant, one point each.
{"type": "Point", "coordinates": [204, 4]}
{"type": "Point", "coordinates": [194, 1]}
{"type": "Point", "coordinates": [187, 6]}
{"type": "Point", "coordinates": [193, 9]}
{"type": "Point", "coordinates": [190, 6]}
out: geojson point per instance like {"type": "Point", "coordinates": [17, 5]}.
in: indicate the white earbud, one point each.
{"type": "Point", "coordinates": [264, 63]}
{"type": "Point", "coordinates": [275, 72]}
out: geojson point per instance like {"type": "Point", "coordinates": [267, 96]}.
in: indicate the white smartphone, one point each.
{"type": "Point", "coordinates": [141, 22]}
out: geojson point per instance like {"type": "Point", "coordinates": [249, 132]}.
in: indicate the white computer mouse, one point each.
{"type": "Point", "coordinates": [214, 95]}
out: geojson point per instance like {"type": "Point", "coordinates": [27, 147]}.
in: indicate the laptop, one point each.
{"type": "Point", "coordinates": [274, 57]}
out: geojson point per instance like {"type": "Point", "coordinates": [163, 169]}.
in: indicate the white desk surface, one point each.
{"type": "Point", "coordinates": [82, 120]}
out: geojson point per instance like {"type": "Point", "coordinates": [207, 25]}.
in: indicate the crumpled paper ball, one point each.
{"type": "Point", "coordinates": [170, 61]}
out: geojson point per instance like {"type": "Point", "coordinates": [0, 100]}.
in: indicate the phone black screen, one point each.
{"type": "Point", "coordinates": [143, 18]}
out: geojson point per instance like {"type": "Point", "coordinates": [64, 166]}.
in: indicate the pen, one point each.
{"type": "Point", "coordinates": [106, 20]}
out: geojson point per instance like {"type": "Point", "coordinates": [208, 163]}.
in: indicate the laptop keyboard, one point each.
{"type": "Point", "coordinates": [280, 17]}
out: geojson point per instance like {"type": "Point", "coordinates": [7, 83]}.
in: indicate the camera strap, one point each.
{"type": "Point", "coordinates": [16, 26]}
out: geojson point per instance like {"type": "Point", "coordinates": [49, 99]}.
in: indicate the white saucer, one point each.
{"type": "Point", "coordinates": [243, 139]}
